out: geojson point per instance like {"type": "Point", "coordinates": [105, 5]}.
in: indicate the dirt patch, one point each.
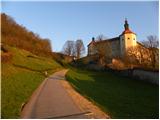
{"type": "Point", "coordinates": [84, 104]}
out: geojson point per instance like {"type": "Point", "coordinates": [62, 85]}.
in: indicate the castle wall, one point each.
{"type": "Point", "coordinates": [130, 40]}
{"type": "Point", "coordinates": [92, 49]}
{"type": "Point", "coordinates": [115, 48]}
{"type": "Point", "coordinates": [109, 48]}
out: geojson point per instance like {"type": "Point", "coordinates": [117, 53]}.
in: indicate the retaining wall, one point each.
{"type": "Point", "coordinates": [140, 74]}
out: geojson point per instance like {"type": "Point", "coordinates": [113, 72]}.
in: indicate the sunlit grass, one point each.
{"type": "Point", "coordinates": [20, 77]}
{"type": "Point", "coordinates": [20, 58]}
{"type": "Point", "coordinates": [16, 89]}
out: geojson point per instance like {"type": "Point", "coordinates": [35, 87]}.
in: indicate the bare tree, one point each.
{"type": "Point", "coordinates": [145, 55]}
{"type": "Point", "coordinates": [17, 35]}
{"type": "Point", "coordinates": [130, 55]}
{"type": "Point", "coordinates": [101, 37]}
{"type": "Point", "coordinates": [137, 55]}
{"type": "Point", "coordinates": [152, 43]}
{"type": "Point", "coordinates": [154, 57]}
{"type": "Point", "coordinates": [68, 48]}
{"type": "Point", "coordinates": [79, 48]}
{"type": "Point", "coordinates": [104, 51]}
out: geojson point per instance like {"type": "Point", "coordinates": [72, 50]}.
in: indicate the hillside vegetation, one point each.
{"type": "Point", "coordinates": [20, 77]}
{"type": "Point", "coordinates": [16, 35]}
{"type": "Point", "coordinates": [25, 60]}
{"type": "Point", "coordinates": [119, 97]}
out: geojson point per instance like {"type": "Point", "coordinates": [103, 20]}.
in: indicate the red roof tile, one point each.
{"type": "Point", "coordinates": [127, 31]}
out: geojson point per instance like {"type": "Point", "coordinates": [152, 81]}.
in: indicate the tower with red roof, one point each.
{"type": "Point", "coordinates": [118, 45]}
{"type": "Point", "coordinates": [127, 38]}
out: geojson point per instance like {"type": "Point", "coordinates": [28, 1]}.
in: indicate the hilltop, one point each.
{"type": "Point", "coordinates": [18, 36]}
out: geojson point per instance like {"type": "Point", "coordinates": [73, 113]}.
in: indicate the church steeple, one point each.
{"type": "Point", "coordinates": [127, 39]}
{"type": "Point", "coordinates": [126, 25]}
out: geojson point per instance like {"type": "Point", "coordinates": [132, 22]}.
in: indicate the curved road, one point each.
{"type": "Point", "coordinates": [51, 100]}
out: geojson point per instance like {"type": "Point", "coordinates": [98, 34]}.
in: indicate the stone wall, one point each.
{"type": "Point", "coordinates": [139, 74]}
{"type": "Point", "coordinates": [115, 48]}
{"type": "Point", "coordinates": [150, 76]}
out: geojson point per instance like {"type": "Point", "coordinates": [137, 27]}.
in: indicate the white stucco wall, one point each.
{"type": "Point", "coordinates": [127, 40]}
{"type": "Point", "coordinates": [130, 40]}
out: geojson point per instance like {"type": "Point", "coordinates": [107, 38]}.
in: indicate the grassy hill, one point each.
{"type": "Point", "coordinates": [118, 96]}
{"type": "Point", "coordinates": [17, 35]}
{"type": "Point", "coordinates": [25, 58]}
{"type": "Point", "coordinates": [21, 75]}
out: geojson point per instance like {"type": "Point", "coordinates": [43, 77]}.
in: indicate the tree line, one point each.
{"type": "Point", "coordinates": [145, 54]}
{"type": "Point", "coordinates": [16, 35]}
{"type": "Point", "coordinates": [74, 48]}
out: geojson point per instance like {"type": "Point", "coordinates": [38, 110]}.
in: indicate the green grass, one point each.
{"type": "Point", "coordinates": [34, 63]}
{"type": "Point", "coordinates": [20, 77]}
{"type": "Point", "coordinates": [119, 97]}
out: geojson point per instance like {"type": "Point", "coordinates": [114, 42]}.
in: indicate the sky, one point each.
{"type": "Point", "coordinates": [62, 21]}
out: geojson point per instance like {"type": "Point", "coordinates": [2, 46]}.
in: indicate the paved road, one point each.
{"type": "Point", "coordinates": [51, 100]}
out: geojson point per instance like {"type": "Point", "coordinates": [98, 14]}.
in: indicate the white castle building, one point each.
{"type": "Point", "coordinates": [118, 45]}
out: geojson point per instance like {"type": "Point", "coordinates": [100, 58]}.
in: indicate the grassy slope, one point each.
{"type": "Point", "coordinates": [120, 97]}
{"type": "Point", "coordinates": [20, 77]}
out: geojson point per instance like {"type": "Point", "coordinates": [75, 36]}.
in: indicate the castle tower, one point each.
{"type": "Point", "coordinates": [127, 38]}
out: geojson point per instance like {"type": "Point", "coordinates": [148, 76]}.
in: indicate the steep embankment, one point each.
{"type": "Point", "coordinates": [23, 67]}
{"type": "Point", "coordinates": [21, 75]}
{"type": "Point", "coordinates": [19, 36]}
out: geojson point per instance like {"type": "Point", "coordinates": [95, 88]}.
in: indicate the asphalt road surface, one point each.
{"type": "Point", "coordinates": [51, 100]}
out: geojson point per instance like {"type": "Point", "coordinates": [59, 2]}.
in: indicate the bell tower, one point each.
{"type": "Point", "coordinates": [127, 38]}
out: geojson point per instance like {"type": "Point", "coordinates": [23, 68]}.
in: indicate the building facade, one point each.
{"type": "Point", "coordinates": [114, 47]}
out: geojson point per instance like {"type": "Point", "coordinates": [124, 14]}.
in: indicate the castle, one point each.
{"type": "Point", "coordinates": [118, 45]}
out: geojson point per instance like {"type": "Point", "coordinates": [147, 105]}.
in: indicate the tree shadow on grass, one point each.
{"type": "Point", "coordinates": [121, 97]}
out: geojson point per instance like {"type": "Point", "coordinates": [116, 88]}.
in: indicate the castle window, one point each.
{"type": "Point", "coordinates": [128, 38]}
{"type": "Point", "coordinates": [133, 38]}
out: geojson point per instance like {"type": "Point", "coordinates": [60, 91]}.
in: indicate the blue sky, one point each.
{"type": "Point", "coordinates": [62, 21]}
